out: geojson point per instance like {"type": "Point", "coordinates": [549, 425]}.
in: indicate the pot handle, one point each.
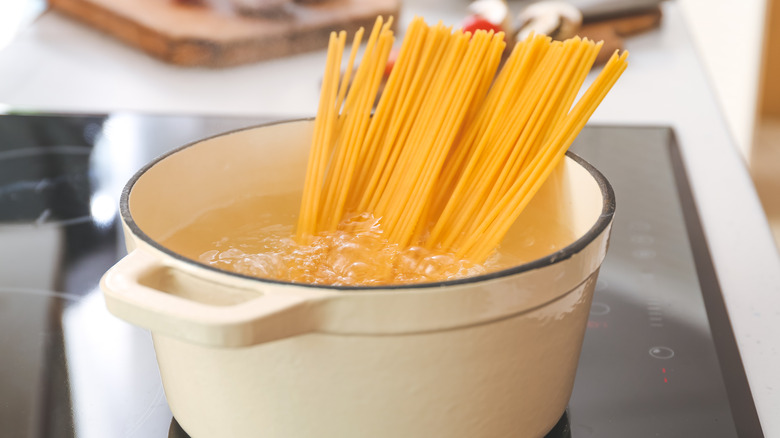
{"type": "Point", "coordinates": [134, 290]}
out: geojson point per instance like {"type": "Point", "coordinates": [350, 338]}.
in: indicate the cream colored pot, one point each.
{"type": "Point", "coordinates": [489, 356]}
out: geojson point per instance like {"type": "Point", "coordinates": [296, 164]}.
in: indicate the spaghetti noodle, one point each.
{"type": "Point", "coordinates": [455, 147]}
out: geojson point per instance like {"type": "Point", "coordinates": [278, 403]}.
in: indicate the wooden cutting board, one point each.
{"type": "Point", "coordinates": [613, 30]}
{"type": "Point", "coordinates": [192, 35]}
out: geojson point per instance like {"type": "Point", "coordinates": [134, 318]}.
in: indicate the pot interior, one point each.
{"type": "Point", "coordinates": [268, 164]}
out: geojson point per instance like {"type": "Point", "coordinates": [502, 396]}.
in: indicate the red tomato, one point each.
{"type": "Point", "coordinates": [391, 61]}
{"type": "Point", "coordinates": [475, 22]}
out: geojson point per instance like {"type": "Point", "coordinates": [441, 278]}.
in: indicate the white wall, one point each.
{"type": "Point", "coordinates": [729, 37]}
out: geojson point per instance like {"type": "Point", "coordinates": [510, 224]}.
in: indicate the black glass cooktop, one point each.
{"type": "Point", "coordinates": [659, 358]}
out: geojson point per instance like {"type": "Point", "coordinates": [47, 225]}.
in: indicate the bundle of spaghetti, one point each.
{"type": "Point", "coordinates": [476, 146]}
{"type": "Point", "coordinates": [494, 225]}
{"type": "Point", "coordinates": [542, 97]}
{"type": "Point", "coordinates": [455, 148]}
{"type": "Point", "coordinates": [353, 124]}
{"type": "Point", "coordinates": [321, 137]}
{"type": "Point", "coordinates": [421, 130]}
{"type": "Point", "coordinates": [397, 108]}
{"type": "Point", "coordinates": [469, 64]}
{"type": "Point", "coordinates": [337, 130]}
{"type": "Point", "coordinates": [376, 150]}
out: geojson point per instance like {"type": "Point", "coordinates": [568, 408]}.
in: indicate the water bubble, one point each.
{"type": "Point", "coordinates": [355, 254]}
{"type": "Point", "coordinates": [208, 256]}
{"type": "Point", "coordinates": [231, 254]}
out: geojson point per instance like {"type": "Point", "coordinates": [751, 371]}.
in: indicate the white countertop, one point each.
{"type": "Point", "coordinates": [57, 65]}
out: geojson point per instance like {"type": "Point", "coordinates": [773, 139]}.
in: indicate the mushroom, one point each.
{"type": "Point", "coordinates": [494, 11]}
{"type": "Point", "coordinates": [558, 19]}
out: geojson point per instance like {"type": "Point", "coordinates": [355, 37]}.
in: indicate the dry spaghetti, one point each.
{"type": "Point", "coordinates": [455, 147]}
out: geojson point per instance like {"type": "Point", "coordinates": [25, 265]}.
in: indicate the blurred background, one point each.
{"type": "Point", "coordinates": [707, 69]}
{"type": "Point", "coordinates": [738, 43]}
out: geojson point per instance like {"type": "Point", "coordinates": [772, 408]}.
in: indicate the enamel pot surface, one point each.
{"type": "Point", "coordinates": [490, 356]}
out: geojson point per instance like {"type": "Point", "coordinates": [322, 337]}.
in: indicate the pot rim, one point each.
{"type": "Point", "coordinates": [601, 224]}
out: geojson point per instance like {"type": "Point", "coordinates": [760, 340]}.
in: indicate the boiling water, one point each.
{"type": "Point", "coordinates": [255, 236]}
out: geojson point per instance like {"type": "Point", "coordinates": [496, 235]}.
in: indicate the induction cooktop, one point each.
{"type": "Point", "coordinates": [659, 357]}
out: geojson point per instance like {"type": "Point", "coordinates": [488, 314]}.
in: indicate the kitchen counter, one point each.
{"type": "Point", "coordinates": [57, 65]}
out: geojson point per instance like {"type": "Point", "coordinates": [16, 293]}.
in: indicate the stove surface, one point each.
{"type": "Point", "coordinates": [659, 358]}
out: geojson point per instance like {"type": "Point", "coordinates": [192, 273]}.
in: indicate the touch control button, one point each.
{"type": "Point", "coordinates": [599, 309]}
{"type": "Point", "coordinates": [643, 254]}
{"type": "Point", "coordinates": [642, 239]}
{"type": "Point", "coordinates": [662, 352]}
